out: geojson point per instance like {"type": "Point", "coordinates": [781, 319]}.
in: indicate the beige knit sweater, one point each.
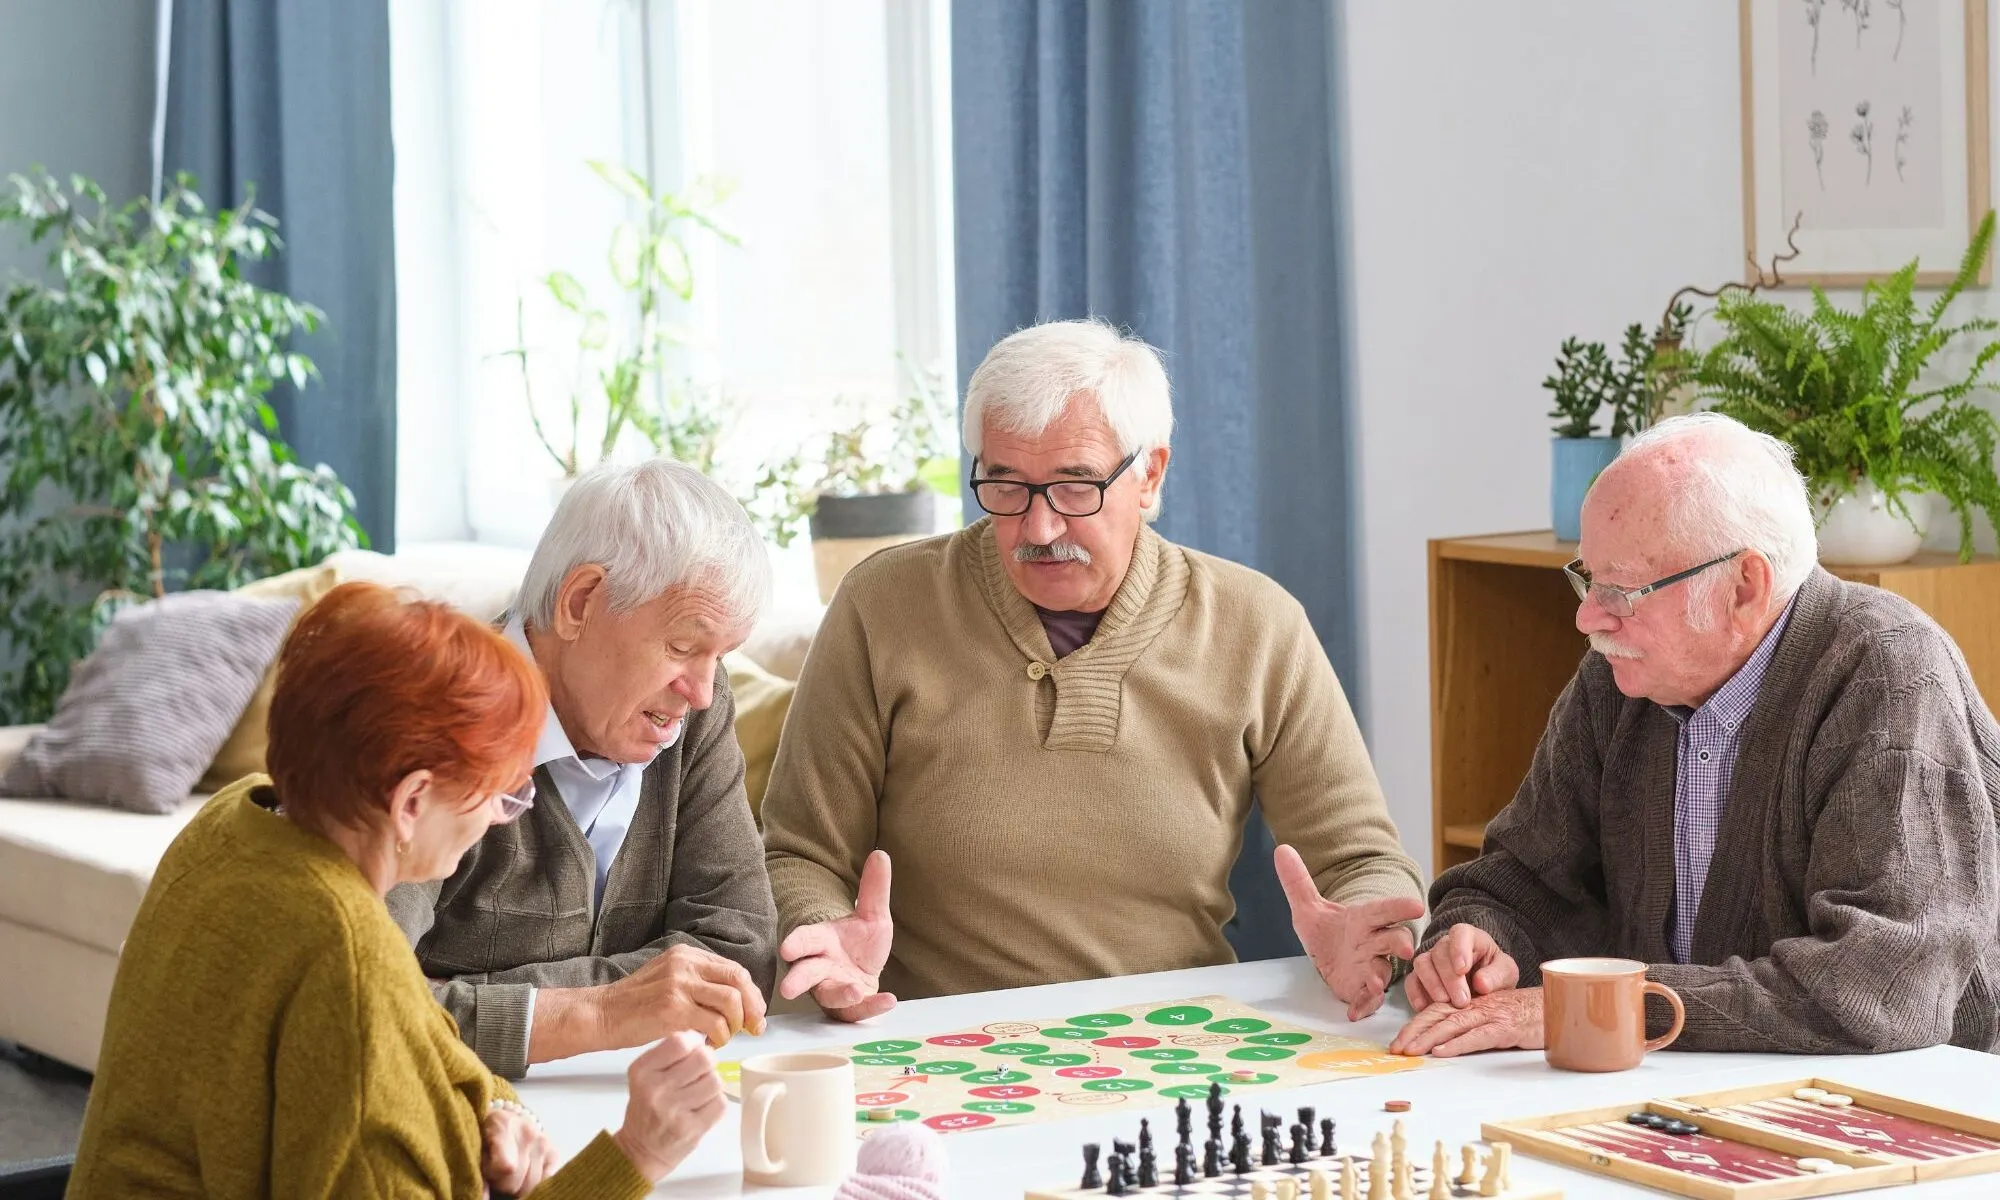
{"type": "Point", "coordinates": [1055, 820]}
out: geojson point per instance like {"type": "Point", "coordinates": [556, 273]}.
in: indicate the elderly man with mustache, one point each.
{"type": "Point", "coordinates": [1776, 789]}
{"type": "Point", "coordinates": [1054, 722]}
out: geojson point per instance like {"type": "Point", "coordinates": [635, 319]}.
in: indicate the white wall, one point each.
{"type": "Point", "coordinates": [1519, 171]}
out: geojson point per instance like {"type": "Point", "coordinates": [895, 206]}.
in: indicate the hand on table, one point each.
{"type": "Point", "coordinates": [841, 961]}
{"type": "Point", "coordinates": [1350, 944]}
{"type": "Point", "coordinates": [683, 987]}
{"type": "Point", "coordinates": [675, 1098]}
{"type": "Point", "coordinates": [1504, 1020]}
{"type": "Point", "coordinates": [1464, 963]}
{"type": "Point", "coordinates": [515, 1155]}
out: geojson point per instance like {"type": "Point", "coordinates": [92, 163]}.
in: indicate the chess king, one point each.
{"type": "Point", "coordinates": [1054, 721]}
{"type": "Point", "coordinates": [1777, 789]}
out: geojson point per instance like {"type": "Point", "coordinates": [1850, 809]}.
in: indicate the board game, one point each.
{"type": "Point", "coordinates": [1140, 1056]}
{"type": "Point", "coordinates": [1807, 1137]}
{"type": "Point", "coordinates": [1386, 1167]}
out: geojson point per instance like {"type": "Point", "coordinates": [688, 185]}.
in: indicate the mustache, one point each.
{"type": "Point", "coordinates": [1604, 644]}
{"type": "Point", "coordinates": [1058, 551]}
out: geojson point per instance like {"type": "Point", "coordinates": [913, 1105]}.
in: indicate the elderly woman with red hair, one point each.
{"type": "Point", "coordinates": [270, 1032]}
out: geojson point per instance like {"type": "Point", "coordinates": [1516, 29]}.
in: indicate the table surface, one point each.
{"type": "Point", "coordinates": [578, 1097]}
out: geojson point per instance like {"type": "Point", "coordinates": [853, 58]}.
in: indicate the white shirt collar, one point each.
{"type": "Point", "coordinates": [554, 745]}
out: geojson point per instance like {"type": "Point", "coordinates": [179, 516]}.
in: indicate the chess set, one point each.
{"type": "Point", "coordinates": [1143, 1055]}
{"type": "Point", "coordinates": [1307, 1169]}
{"type": "Point", "coordinates": [1808, 1137]}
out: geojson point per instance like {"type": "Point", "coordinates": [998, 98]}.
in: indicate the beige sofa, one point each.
{"type": "Point", "coordinates": [72, 875]}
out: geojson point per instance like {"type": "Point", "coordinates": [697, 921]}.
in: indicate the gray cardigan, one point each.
{"type": "Point", "coordinates": [1853, 903]}
{"type": "Point", "coordinates": [516, 915]}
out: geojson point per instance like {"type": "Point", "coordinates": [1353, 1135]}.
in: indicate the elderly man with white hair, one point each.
{"type": "Point", "coordinates": [1776, 789]}
{"type": "Point", "coordinates": [629, 901]}
{"type": "Point", "coordinates": [1054, 722]}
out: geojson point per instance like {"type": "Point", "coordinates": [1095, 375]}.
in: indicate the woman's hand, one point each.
{"type": "Point", "coordinates": [517, 1155]}
{"type": "Point", "coordinates": [675, 1098]}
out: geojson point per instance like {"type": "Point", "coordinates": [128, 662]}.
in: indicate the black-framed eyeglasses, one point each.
{"type": "Point", "coordinates": [516, 802]}
{"type": "Point", "coordinates": [1067, 497]}
{"type": "Point", "coordinates": [1618, 601]}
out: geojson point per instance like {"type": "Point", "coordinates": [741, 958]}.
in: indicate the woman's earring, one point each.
{"type": "Point", "coordinates": [402, 848]}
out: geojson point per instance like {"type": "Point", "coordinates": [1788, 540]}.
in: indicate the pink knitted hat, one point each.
{"type": "Point", "coordinates": [904, 1162]}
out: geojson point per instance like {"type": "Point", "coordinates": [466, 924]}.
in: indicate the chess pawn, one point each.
{"type": "Point", "coordinates": [1378, 1170]}
{"type": "Point", "coordinates": [1468, 1171]}
{"type": "Point", "coordinates": [1350, 1187]}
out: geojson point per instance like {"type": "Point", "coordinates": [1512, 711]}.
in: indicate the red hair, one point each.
{"type": "Point", "coordinates": [372, 686]}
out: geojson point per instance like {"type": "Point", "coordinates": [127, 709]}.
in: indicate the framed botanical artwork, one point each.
{"type": "Point", "coordinates": [1864, 136]}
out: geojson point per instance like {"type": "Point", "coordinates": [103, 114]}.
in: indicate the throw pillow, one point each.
{"type": "Point", "coordinates": [243, 752]}
{"type": "Point", "coordinates": [762, 700]}
{"type": "Point", "coordinates": [146, 712]}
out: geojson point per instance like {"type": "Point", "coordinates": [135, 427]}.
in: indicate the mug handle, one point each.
{"type": "Point", "coordinates": [1680, 1016]}
{"type": "Point", "coordinates": [757, 1150]}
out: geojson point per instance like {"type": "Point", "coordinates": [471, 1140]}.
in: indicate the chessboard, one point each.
{"type": "Point", "coordinates": [1808, 1137]}
{"type": "Point", "coordinates": [1014, 1072]}
{"type": "Point", "coordinates": [1306, 1169]}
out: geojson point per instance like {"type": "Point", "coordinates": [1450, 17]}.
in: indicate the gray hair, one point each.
{"type": "Point", "coordinates": [652, 526]}
{"type": "Point", "coordinates": [1738, 490]}
{"type": "Point", "coordinates": [1030, 376]}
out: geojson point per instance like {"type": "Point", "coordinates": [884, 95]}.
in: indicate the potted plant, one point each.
{"type": "Point", "coordinates": [1876, 436]}
{"type": "Point", "coordinates": [138, 453]}
{"type": "Point", "coordinates": [1586, 381]}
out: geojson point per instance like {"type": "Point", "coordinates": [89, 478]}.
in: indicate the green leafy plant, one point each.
{"type": "Point", "coordinates": [1849, 391]}
{"type": "Point", "coordinates": [138, 452]}
{"type": "Point", "coordinates": [1587, 380]}
{"type": "Point", "coordinates": [652, 267]}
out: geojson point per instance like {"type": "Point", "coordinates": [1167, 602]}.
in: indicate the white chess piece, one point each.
{"type": "Point", "coordinates": [1440, 1173]}
{"type": "Point", "coordinates": [1378, 1170]}
{"type": "Point", "coordinates": [1316, 1180]}
{"type": "Point", "coordinates": [1489, 1179]}
{"type": "Point", "coordinates": [1257, 1191]}
{"type": "Point", "coordinates": [1350, 1184]}
{"type": "Point", "coordinates": [1288, 1189]}
{"type": "Point", "coordinates": [1468, 1171]}
{"type": "Point", "coordinates": [1505, 1152]}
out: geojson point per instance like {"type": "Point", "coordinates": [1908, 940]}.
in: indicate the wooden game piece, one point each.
{"type": "Point", "coordinates": [1257, 1191]}
{"type": "Point", "coordinates": [1183, 1164]}
{"type": "Point", "coordinates": [1091, 1178]}
{"type": "Point", "coordinates": [1378, 1170]}
{"type": "Point", "coordinates": [1504, 1152]}
{"type": "Point", "coordinates": [1326, 1146]}
{"type": "Point", "coordinates": [1815, 1165]}
{"type": "Point", "coordinates": [1317, 1185]}
{"type": "Point", "coordinates": [1468, 1171]}
{"type": "Point", "coordinates": [1489, 1177]}
{"type": "Point", "coordinates": [1400, 1172]}
{"type": "Point", "coordinates": [1184, 1122]}
{"type": "Point", "coordinates": [1243, 1075]}
{"type": "Point", "coordinates": [1350, 1187]}
{"type": "Point", "coordinates": [1810, 1093]}
{"type": "Point", "coordinates": [1396, 1106]}
{"type": "Point", "coordinates": [1288, 1189]}
{"type": "Point", "coordinates": [882, 1114]}
{"type": "Point", "coordinates": [1440, 1173]}
{"type": "Point", "coordinates": [1835, 1100]}
{"type": "Point", "coordinates": [1215, 1111]}
{"type": "Point", "coordinates": [1239, 1153]}
{"type": "Point", "coordinates": [1267, 1129]}
{"type": "Point", "coordinates": [1301, 1145]}
{"type": "Point", "coordinates": [1211, 1159]}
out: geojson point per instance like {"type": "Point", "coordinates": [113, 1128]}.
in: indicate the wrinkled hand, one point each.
{"type": "Point", "coordinates": [1351, 944]}
{"type": "Point", "coordinates": [1464, 963]}
{"type": "Point", "coordinates": [515, 1155]}
{"type": "Point", "coordinates": [841, 961]}
{"type": "Point", "coordinates": [675, 1097]}
{"type": "Point", "coordinates": [1506, 1020]}
{"type": "Point", "coordinates": [683, 987]}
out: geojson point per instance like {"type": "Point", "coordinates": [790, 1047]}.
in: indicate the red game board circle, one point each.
{"type": "Point", "coordinates": [961, 1039]}
{"type": "Point", "coordinates": [1005, 1092]}
{"type": "Point", "coordinates": [954, 1122]}
{"type": "Point", "coordinates": [1127, 1043]}
{"type": "Point", "coordinates": [1099, 1072]}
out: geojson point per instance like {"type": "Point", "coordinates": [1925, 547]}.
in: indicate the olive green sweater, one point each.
{"type": "Point", "coordinates": [1052, 819]}
{"type": "Point", "coordinates": [271, 1035]}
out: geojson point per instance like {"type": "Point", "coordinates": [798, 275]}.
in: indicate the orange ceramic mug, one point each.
{"type": "Point", "coordinates": [1594, 1013]}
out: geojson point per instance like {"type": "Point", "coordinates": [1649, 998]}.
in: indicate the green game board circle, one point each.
{"type": "Point", "coordinates": [996, 1075]}
{"type": "Point", "coordinates": [902, 1114]}
{"type": "Point", "coordinates": [886, 1047]}
{"type": "Point", "coordinates": [1069, 1035]}
{"type": "Point", "coordinates": [1179, 1014]}
{"type": "Point", "coordinates": [1239, 1025]}
{"type": "Point", "coordinates": [1101, 1020]}
{"type": "Point", "coordinates": [1260, 1054]}
{"type": "Point", "coordinates": [1125, 1085]}
{"type": "Point", "coordinates": [1186, 1091]}
{"type": "Point", "coordinates": [948, 1067]}
{"type": "Point", "coordinates": [1186, 1068]}
{"type": "Point", "coordinates": [883, 1060]}
{"type": "Point", "coordinates": [1056, 1060]}
{"type": "Point", "coordinates": [1280, 1039]}
{"type": "Point", "coordinates": [1165, 1055]}
{"type": "Point", "coordinates": [998, 1108]}
{"type": "Point", "coordinates": [1017, 1049]}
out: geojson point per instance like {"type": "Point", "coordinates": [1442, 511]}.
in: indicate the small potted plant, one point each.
{"type": "Point", "coordinates": [1877, 437]}
{"type": "Point", "coordinates": [1586, 381]}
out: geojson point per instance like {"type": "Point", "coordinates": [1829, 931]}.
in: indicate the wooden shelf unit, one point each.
{"type": "Point", "coordinates": [1504, 644]}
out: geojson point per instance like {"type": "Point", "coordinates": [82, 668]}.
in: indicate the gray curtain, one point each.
{"type": "Point", "coordinates": [293, 97]}
{"type": "Point", "coordinates": [1168, 165]}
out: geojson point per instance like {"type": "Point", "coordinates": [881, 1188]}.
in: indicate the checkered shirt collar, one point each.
{"type": "Point", "coordinates": [1732, 701]}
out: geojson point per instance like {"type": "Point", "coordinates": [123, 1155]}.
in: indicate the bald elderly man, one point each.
{"type": "Point", "coordinates": [1776, 789]}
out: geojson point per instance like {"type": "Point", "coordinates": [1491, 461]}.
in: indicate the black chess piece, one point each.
{"type": "Point", "coordinates": [1306, 1119]}
{"type": "Point", "coordinates": [1183, 1164]}
{"type": "Point", "coordinates": [1184, 1120]}
{"type": "Point", "coordinates": [1215, 1111]}
{"type": "Point", "coordinates": [1326, 1147]}
{"type": "Point", "coordinates": [1211, 1159]}
{"type": "Point", "coordinates": [1145, 1135]}
{"type": "Point", "coordinates": [1149, 1174]}
{"type": "Point", "coordinates": [1300, 1143]}
{"type": "Point", "coordinates": [1091, 1178]}
{"type": "Point", "coordinates": [1235, 1121]}
{"type": "Point", "coordinates": [1267, 1128]}
{"type": "Point", "coordinates": [1115, 1185]}
{"type": "Point", "coordinates": [1239, 1154]}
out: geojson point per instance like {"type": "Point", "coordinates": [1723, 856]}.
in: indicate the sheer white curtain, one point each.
{"type": "Point", "coordinates": [828, 125]}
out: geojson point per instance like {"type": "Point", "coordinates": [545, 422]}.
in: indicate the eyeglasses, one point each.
{"type": "Point", "coordinates": [1067, 497]}
{"type": "Point", "coordinates": [1618, 601]}
{"type": "Point", "coordinates": [516, 802]}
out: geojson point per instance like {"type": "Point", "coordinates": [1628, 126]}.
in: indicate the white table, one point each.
{"type": "Point", "coordinates": [1450, 1099]}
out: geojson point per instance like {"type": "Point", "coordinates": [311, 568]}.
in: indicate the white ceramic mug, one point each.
{"type": "Point", "coordinates": [798, 1119]}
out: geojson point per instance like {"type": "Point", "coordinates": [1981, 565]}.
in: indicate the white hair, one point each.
{"type": "Point", "coordinates": [1737, 489]}
{"type": "Point", "coordinates": [652, 525]}
{"type": "Point", "coordinates": [1031, 376]}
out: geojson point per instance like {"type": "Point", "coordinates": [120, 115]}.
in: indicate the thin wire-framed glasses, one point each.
{"type": "Point", "coordinates": [1619, 601]}
{"type": "Point", "coordinates": [516, 802]}
{"type": "Point", "coordinates": [1067, 497]}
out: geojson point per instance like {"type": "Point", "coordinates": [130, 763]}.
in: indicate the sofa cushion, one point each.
{"type": "Point", "coordinates": [145, 713]}
{"type": "Point", "coordinates": [79, 871]}
{"type": "Point", "coordinates": [762, 699]}
{"type": "Point", "coordinates": [243, 753]}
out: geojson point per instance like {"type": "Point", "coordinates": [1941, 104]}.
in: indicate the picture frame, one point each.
{"type": "Point", "coordinates": [1845, 180]}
